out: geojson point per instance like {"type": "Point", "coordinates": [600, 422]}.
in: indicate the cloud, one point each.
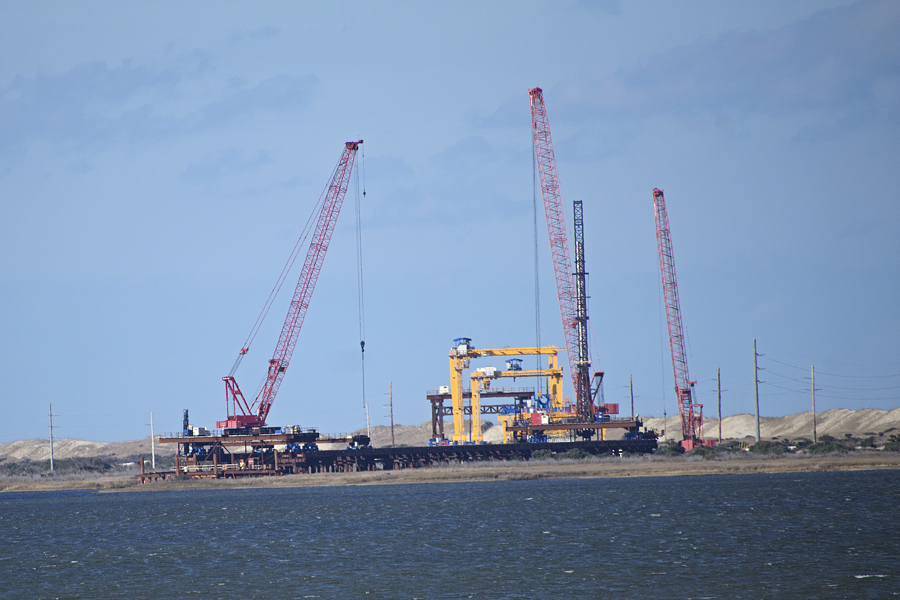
{"type": "Point", "coordinates": [837, 62]}
{"type": "Point", "coordinates": [262, 33]}
{"type": "Point", "coordinates": [95, 103]}
{"type": "Point", "coordinates": [223, 162]}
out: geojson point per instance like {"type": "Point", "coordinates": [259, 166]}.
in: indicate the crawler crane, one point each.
{"type": "Point", "coordinates": [691, 422]}
{"type": "Point", "coordinates": [572, 292]}
{"type": "Point", "coordinates": [241, 414]}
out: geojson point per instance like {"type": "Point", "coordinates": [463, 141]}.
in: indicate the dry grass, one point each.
{"type": "Point", "coordinates": [645, 466]}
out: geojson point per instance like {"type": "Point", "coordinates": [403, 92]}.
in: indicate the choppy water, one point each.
{"type": "Point", "coordinates": [811, 535]}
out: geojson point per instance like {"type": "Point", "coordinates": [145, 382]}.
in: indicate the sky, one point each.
{"type": "Point", "coordinates": [158, 162]}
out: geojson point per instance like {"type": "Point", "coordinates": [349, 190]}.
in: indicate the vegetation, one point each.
{"type": "Point", "coordinates": [706, 452]}
{"type": "Point", "coordinates": [730, 446]}
{"type": "Point", "coordinates": [573, 454]}
{"type": "Point", "coordinates": [542, 455]}
{"type": "Point", "coordinates": [893, 444]}
{"type": "Point", "coordinates": [827, 447]}
{"type": "Point", "coordinates": [94, 465]}
{"type": "Point", "coordinates": [770, 448]}
{"type": "Point", "coordinates": [670, 448]}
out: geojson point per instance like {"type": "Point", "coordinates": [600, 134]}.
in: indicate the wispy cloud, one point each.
{"type": "Point", "coordinates": [224, 162]}
{"type": "Point", "coordinates": [95, 103]}
{"type": "Point", "coordinates": [838, 63]}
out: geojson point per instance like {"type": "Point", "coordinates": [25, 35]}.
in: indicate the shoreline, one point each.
{"type": "Point", "coordinates": [475, 472]}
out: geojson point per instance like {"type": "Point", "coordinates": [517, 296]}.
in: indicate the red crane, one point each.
{"type": "Point", "coordinates": [691, 422]}
{"type": "Point", "coordinates": [574, 321]}
{"type": "Point", "coordinates": [255, 414]}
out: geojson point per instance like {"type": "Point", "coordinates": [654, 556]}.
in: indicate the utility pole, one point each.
{"type": "Point", "coordinates": [631, 389]}
{"type": "Point", "coordinates": [152, 444]}
{"type": "Point", "coordinates": [719, 386]}
{"type": "Point", "coordinates": [812, 372]}
{"type": "Point", "coordinates": [51, 438]}
{"type": "Point", "coordinates": [756, 387]}
{"type": "Point", "coordinates": [393, 442]}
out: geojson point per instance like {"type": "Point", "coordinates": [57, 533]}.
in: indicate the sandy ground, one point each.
{"type": "Point", "coordinates": [493, 471]}
{"type": "Point", "coordinates": [836, 422]}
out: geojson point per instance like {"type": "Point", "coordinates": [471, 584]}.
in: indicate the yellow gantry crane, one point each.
{"type": "Point", "coordinates": [480, 380]}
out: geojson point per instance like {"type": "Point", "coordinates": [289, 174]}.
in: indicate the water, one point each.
{"type": "Point", "coordinates": [809, 535]}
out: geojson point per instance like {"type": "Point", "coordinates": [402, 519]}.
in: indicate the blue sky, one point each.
{"type": "Point", "coordinates": [159, 160]}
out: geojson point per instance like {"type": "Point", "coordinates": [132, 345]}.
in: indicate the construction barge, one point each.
{"type": "Point", "coordinates": [539, 418]}
{"type": "Point", "coordinates": [217, 455]}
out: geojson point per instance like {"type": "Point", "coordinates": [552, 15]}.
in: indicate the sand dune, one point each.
{"type": "Point", "coordinates": [836, 422]}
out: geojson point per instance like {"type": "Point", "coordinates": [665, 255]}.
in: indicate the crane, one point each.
{"type": "Point", "coordinates": [691, 422]}
{"type": "Point", "coordinates": [255, 414]}
{"type": "Point", "coordinates": [572, 298]}
{"type": "Point", "coordinates": [461, 356]}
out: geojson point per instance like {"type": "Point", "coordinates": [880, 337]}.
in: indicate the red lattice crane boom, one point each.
{"type": "Point", "coordinates": [255, 414]}
{"type": "Point", "coordinates": [691, 422]}
{"type": "Point", "coordinates": [579, 365]}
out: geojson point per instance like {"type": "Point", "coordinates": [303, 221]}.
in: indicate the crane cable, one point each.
{"type": "Point", "coordinates": [285, 270]}
{"type": "Point", "coordinates": [359, 274]}
{"type": "Point", "coordinates": [537, 286]}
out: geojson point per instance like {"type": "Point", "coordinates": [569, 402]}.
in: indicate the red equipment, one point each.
{"type": "Point", "coordinates": [574, 321]}
{"type": "Point", "coordinates": [690, 422]}
{"type": "Point", "coordinates": [255, 415]}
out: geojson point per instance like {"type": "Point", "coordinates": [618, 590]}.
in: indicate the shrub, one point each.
{"type": "Point", "coordinates": [542, 455]}
{"type": "Point", "coordinates": [764, 447]}
{"type": "Point", "coordinates": [704, 451]}
{"type": "Point", "coordinates": [729, 446]}
{"type": "Point", "coordinates": [670, 449]}
{"type": "Point", "coordinates": [826, 447]}
{"type": "Point", "coordinates": [868, 442]}
{"type": "Point", "coordinates": [574, 454]}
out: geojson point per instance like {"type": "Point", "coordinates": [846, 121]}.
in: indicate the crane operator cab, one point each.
{"type": "Point", "coordinates": [463, 345]}
{"type": "Point", "coordinates": [514, 364]}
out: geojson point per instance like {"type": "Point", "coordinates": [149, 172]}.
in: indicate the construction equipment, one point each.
{"type": "Point", "coordinates": [691, 422]}
{"type": "Point", "coordinates": [537, 415]}
{"type": "Point", "coordinates": [242, 414]}
{"type": "Point", "coordinates": [460, 359]}
{"type": "Point", "coordinates": [571, 291]}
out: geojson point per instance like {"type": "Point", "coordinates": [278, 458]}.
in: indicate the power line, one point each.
{"type": "Point", "coordinates": [818, 360]}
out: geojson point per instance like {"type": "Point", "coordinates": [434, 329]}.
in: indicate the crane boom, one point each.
{"type": "Point", "coordinates": [559, 249]}
{"type": "Point", "coordinates": [691, 423]}
{"type": "Point", "coordinates": [255, 415]}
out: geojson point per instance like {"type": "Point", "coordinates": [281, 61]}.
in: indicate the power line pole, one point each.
{"type": "Point", "coordinates": [719, 386]}
{"type": "Point", "coordinates": [393, 442]}
{"type": "Point", "coordinates": [51, 438]}
{"type": "Point", "coordinates": [756, 387]}
{"type": "Point", "coordinates": [152, 444]}
{"type": "Point", "coordinates": [631, 388]}
{"type": "Point", "coordinates": [812, 371]}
